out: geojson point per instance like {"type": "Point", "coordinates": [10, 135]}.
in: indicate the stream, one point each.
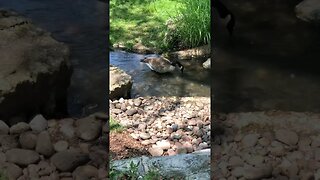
{"type": "Point", "coordinates": [271, 63]}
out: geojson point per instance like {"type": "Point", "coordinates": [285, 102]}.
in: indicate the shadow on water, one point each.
{"type": "Point", "coordinates": [81, 24]}
{"type": "Point", "coordinates": [193, 82]}
{"type": "Point", "coordinates": [270, 64]}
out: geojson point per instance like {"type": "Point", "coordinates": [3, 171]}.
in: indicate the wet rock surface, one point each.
{"type": "Point", "coordinates": [166, 125]}
{"type": "Point", "coordinates": [50, 154]}
{"type": "Point", "coordinates": [265, 145]}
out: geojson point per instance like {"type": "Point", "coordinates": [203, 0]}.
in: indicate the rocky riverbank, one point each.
{"type": "Point", "coordinates": [266, 145]}
{"type": "Point", "coordinates": [55, 149]}
{"type": "Point", "coordinates": [165, 125]}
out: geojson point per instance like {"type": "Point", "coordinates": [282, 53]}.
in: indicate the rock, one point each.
{"type": "Point", "coordinates": [264, 171]}
{"type": "Point", "coordinates": [264, 141]}
{"type": "Point", "coordinates": [207, 64]}
{"type": "Point", "coordinates": [28, 140]}
{"type": "Point", "coordinates": [131, 112]}
{"type": "Point", "coordinates": [36, 69]}
{"type": "Point", "coordinates": [66, 128]}
{"type": "Point", "coordinates": [287, 136]}
{"type": "Point", "coordinates": [85, 172]}
{"type": "Point", "coordinates": [44, 145]}
{"type": "Point", "coordinates": [88, 129]}
{"type": "Point", "coordinates": [250, 140]}
{"type": "Point", "coordinates": [102, 173]}
{"type": "Point", "coordinates": [163, 144]}
{"type": "Point", "coordinates": [155, 151]}
{"type": "Point", "coordinates": [237, 172]}
{"type": "Point", "coordinates": [8, 142]}
{"type": "Point", "coordinates": [137, 102]}
{"type": "Point", "coordinates": [38, 123]}
{"type": "Point", "coordinates": [61, 146]}
{"type": "Point", "coordinates": [19, 128]}
{"type": "Point", "coordinates": [235, 161]}
{"type": "Point", "coordinates": [144, 136]}
{"type": "Point", "coordinates": [11, 170]}
{"type": "Point", "coordinates": [22, 157]}
{"type": "Point", "coordinates": [4, 128]}
{"type": "Point", "coordinates": [120, 83]}
{"type": "Point", "coordinates": [69, 160]}
{"type": "Point", "coordinates": [2, 158]}
{"type": "Point", "coordinates": [255, 160]}
{"type": "Point", "coordinates": [33, 171]}
{"type": "Point", "coordinates": [308, 10]}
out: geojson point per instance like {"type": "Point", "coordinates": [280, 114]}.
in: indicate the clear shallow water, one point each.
{"type": "Point", "coordinates": [271, 63]}
{"type": "Point", "coordinates": [81, 24]}
{"type": "Point", "coordinates": [193, 82]}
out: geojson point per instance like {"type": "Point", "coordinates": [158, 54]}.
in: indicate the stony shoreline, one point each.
{"type": "Point", "coordinates": [55, 149]}
{"type": "Point", "coordinates": [166, 125]}
{"type": "Point", "coordinates": [266, 145]}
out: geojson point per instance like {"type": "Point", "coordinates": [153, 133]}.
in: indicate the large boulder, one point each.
{"type": "Point", "coordinates": [308, 10]}
{"type": "Point", "coordinates": [34, 69]}
{"type": "Point", "coordinates": [120, 83]}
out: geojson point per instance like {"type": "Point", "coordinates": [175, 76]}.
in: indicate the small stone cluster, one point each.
{"type": "Point", "coordinates": [55, 149]}
{"type": "Point", "coordinates": [265, 147]}
{"type": "Point", "coordinates": [166, 125]}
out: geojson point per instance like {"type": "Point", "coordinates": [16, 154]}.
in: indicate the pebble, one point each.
{"type": "Point", "coordinates": [44, 145]}
{"type": "Point", "coordinates": [22, 157]}
{"type": "Point", "coordinates": [38, 123]}
{"type": "Point", "coordinates": [28, 140]}
{"type": "Point", "coordinates": [19, 128]}
{"type": "Point", "coordinates": [249, 140]}
{"type": "Point", "coordinates": [88, 128]}
{"type": "Point", "coordinates": [287, 136]}
{"type": "Point", "coordinates": [155, 151]}
{"type": "Point", "coordinates": [4, 128]}
{"type": "Point", "coordinates": [61, 146]}
{"type": "Point", "coordinates": [67, 161]}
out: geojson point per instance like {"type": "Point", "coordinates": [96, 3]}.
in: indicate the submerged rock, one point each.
{"type": "Point", "coordinates": [34, 69]}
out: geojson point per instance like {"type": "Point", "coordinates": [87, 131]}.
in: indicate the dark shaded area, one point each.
{"type": "Point", "coordinates": [271, 62]}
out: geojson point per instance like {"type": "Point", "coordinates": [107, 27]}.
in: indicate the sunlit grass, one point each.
{"type": "Point", "coordinates": [115, 126]}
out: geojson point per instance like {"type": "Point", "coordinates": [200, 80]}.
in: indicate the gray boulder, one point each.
{"type": "Point", "coordinates": [120, 83]}
{"type": "Point", "coordinates": [34, 69]}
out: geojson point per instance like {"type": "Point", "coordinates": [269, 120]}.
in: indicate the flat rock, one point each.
{"type": "Point", "coordinates": [4, 128]}
{"type": "Point", "coordinates": [38, 123]}
{"type": "Point", "coordinates": [22, 157]}
{"type": "Point", "coordinates": [19, 128]}
{"type": "Point", "coordinates": [88, 128]}
{"type": "Point", "coordinates": [44, 145]}
{"type": "Point", "coordinates": [163, 144]}
{"type": "Point", "coordinates": [28, 140]}
{"type": "Point", "coordinates": [287, 136]}
{"type": "Point", "coordinates": [69, 160]}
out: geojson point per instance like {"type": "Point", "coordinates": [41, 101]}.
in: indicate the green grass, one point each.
{"type": "Point", "coordinates": [3, 176]}
{"type": "Point", "coordinates": [193, 25]}
{"type": "Point", "coordinates": [140, 21]}
{"type": "Point", "coordinates": [115, 126]}
{"type": "Point", "coordinates": [144, 21]}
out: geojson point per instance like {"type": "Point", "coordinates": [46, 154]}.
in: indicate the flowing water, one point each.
{"type": "Point", "coordinates": [81, 24]}
{"type": "Point", "coordinates": [195, 80]}
{"type": "Point", "coordinates": [270, 64]}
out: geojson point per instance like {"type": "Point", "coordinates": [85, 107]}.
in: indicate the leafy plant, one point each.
{"type": "Point", "coordinates": [115, 126]}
